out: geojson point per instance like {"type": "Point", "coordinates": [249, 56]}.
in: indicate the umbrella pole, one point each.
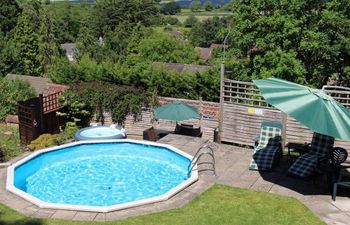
{"type": "Point", "coordinates": [284, 129]}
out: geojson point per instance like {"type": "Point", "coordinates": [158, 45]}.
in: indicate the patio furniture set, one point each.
{"type": "Point", "coordinates": [327, 118]}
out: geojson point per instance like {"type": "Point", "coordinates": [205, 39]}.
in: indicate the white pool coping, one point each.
{"type": "Point", "coordinates": [104, 209]}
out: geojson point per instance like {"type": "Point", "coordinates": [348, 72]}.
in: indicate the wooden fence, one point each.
{"type": "Point", "coordinates": [244, 109]}
{"type": "Point", "coordinates": [37, 116]}
{"type": "Point", "coordinates": [135, 125]}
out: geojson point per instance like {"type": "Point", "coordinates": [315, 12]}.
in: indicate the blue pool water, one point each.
{"type": "Point", "coordinates": [102, 174]}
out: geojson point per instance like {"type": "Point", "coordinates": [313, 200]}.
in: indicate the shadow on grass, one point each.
{"type": "Point", "coordinates": [20, 221]}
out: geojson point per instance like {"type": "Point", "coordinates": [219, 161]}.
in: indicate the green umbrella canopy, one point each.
{"type": "Point", "coordinates": [176, 111]}
{"type": "Point", "coordinates": [311, 107]}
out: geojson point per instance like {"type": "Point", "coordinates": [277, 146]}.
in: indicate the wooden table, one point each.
{"type": "Point", "coordinates": [295, 147]}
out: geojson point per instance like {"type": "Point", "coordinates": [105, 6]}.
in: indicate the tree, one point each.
{"type": "Point", "coordinates": [171, 8]}
{"type": "Point", "coordinates": [9, 12]}
{"type": "Point", "coordinates": [69, 27]}
{"type": "Point", "coordinates": [280, 64]}
{"type": "Point", "coordinates": [195, 6]}
{"type": "Point", "coordinates": [11, 92]}
{"type": "Point", "coordinates": [115, 19]}
{"type": "Point", "coordinates": [87, 40]}
{"type": "Point", "coordinates": [26, 43]}
{"type": "Point", "coordinates": [165, 48]}
{"type": "Point", "coordinates": [191, 21]}
{"type": "Point", "coordinates": [109, 14]}
{"type": "Point", "coordinates": [8, 61]}
{"type": "Point", "coordinates": [207, 32]}
{"type": "Point", "coordinates": [314, 33]}
{"type": "Point", "coordinates": [49, 48]}
{"type": "Point", "coordinates": [209, 6]}
{"type": "Point", "coordinates": [32, 9]}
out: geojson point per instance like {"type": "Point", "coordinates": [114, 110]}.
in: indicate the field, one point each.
{"type": "Point", "coordinates": [200, 15]}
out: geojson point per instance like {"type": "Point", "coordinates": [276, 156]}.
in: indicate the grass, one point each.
{"type": "Point", "coordinates": [201, 15]}
{"type": "Point", "coordinates": [219, 205]}
{"type": "Point", "coordinates": [9, 141]}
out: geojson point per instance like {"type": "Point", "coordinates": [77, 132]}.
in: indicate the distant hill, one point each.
{"type": "Point", "coordinates": [185, 3]}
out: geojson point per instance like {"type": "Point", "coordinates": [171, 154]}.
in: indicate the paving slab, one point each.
{"type": "Point", "coordinates": [85, 216]}
{"type": "Point", "coordinates": [44, 213]}
{"type": "Point", "coordinates": [64, 214]}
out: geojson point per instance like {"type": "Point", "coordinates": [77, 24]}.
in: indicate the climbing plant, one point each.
{"type": "Point", "coordinates": [85, 100]}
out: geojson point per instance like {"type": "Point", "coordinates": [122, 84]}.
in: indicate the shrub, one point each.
{"type": "Point", "coordinates": [191, 21]}
{"type": "Point", "coordinates": [171, 20]}
{"type": "Point", "coordinates": [67, 133]}
{"type": "Point", "coordinates": [43, 141]}
{"type": "Point", "coordinates": [11, 92]}
{"type": "Point", "coordinates": [10, 146]}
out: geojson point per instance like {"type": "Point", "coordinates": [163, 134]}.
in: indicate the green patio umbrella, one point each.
{"type": "Point", "coordinates": [176, 111]}
{"type": "Point", "coordinates": [311, 107]}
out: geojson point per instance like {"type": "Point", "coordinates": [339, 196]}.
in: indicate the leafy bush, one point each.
{"type": "Point", "coordinates": [171, 20]}
{"type": "Point", "coordinates": [171, 8]}
{"type": "Point", "coordinates": [10, 146]}
{"type": "Point", "coordinates": [94, 98]}
{"type": "Point", "coordinates": [11, 92]}
{"type": "Point", "coordinates": [191, 21]}
{"type": "Point", "coordinates": [43, 141]}
{"type": "Point", "coordinates": [67, 133]}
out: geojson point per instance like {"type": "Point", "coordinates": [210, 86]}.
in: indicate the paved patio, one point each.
{"type": "Point", "coordinates": [231, 168]}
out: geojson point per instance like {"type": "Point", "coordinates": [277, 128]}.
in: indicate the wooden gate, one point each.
{"type": "Point", "coordinates": [29, 120]}
{"type": "Point", "coordinates": [37, 116]}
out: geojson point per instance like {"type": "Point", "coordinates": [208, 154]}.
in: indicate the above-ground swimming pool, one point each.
{"type": "Point", "coordinates": [100, 133]}
{"type": "Point", "coordinates": [101, 176]}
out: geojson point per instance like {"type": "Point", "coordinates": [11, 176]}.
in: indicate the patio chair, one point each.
{"type": "Point", "coordinates": [150, 134]}
{"type": "Point", "coordinates": [268, 148]}
{"type": "Point", "coordinates": [319, 149]}
{"type": "Point", "coordinates": [342, 181]}
{"type": "Point", "coordinates": [188, 130]}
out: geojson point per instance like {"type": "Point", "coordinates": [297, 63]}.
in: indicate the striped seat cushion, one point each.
{"type": "Point", "coordinates": [268, 149]}
{"type": "Point", "coordinates": [306, 164]}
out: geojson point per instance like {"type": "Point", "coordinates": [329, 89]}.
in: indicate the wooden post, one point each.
{"type": "Point", "coordinates": [41, 114]}
{"type": "Point", "coordinates": [221, 116]}
{"type": "Point", "coordinates": [284, 130]}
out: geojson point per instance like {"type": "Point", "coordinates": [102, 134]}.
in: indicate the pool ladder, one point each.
{"type": "Point", "coordinates": [206, 149]}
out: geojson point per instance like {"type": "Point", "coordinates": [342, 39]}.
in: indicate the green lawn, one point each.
{"type": "Point", "coordinates": [219, 205]}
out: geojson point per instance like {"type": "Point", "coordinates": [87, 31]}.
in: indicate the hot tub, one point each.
{"type": "Point", "coordinates": [100, 133]}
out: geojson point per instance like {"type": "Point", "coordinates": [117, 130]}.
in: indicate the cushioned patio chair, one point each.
{"type": "Point", "coordinates": [188, 130]}
{"type": "Point", "coordinates": [268, 148]}
{"type": "Point", "coordinates": [150, 134]}
{"type": "Point", "coordinates": [306, 165]}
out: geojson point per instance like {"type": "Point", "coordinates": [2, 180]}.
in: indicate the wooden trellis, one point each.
{"type": "Point", "coordinates": [37, 116]}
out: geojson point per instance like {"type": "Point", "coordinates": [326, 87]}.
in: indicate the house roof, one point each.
{"type": "Point", "coordinates": [54, 88]}
{"type": "Point", "coordinates": [181, 68]}
{"type": "Point", "coordinates": [41, 85]}
{"type": "Point", "coordinates": [206, 53]}
{"type": "Point", "coordinates": [38, 83]}
{"type": "Point", "coordinates": [70, 49]}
